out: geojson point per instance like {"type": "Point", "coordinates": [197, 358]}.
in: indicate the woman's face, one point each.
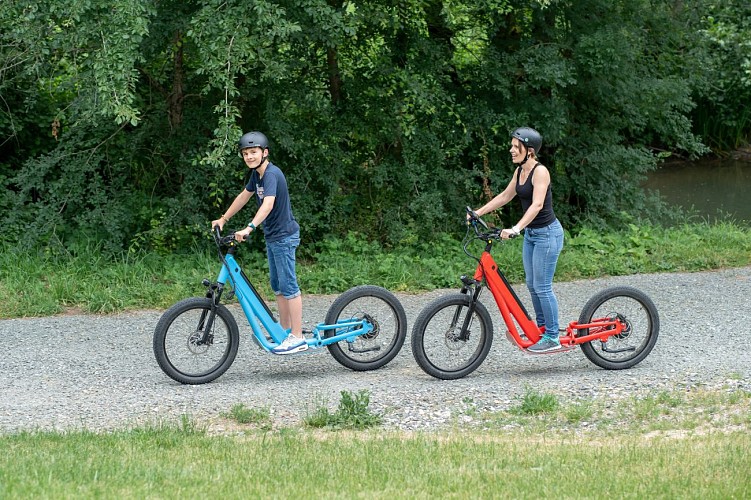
{"type": "Point", "coordinates": [517, 151]}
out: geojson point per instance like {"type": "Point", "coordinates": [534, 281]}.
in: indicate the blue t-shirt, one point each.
{"type": "Point", "coordinates": [280, 222]}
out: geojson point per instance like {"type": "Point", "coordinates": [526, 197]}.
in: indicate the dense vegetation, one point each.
{"type": "Point", "coordinates": [46, 283]}
{"type": "Point", "coordinates": [118, 119]}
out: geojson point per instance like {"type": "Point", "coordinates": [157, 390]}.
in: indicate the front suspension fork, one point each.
{"type": "Point", "coordinates": [471, 287]}
{"type": "Point", "coordinates": [206, 321]}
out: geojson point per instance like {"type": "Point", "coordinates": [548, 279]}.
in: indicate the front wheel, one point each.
{"type": "Point", "coordinates": [191, 345]}
{"type": "Point", "coordinates": [448, 342]}
{"type": "Point", "coordinates": [641, 323]}
{"type": "Point", "coordinates": [384, 312]}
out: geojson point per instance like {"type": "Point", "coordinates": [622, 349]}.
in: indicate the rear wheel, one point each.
{"type": "Point", "coordinates": [636, 311]}
{"type": "Point", "coordinates": [384, 312]}
{"type": "Point", "coordinates": [186, 351]}
{"type": "Point", "coordinates": [447, 342]}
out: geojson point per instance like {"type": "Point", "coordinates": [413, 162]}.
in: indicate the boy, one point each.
{"type": "Point", "coordinates": [281, 231]}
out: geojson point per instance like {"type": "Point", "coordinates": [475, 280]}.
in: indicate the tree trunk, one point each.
{"type": "Point", "coordinates": [176, 97]}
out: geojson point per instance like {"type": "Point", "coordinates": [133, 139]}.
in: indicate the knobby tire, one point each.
{"type": "Point", "coordinates": [643, 323]}
{"type": "Point", "coordinates": [436, 343]}
{"type": "Point", "coordinates": [377, 348]}
{"type": "Point", "coordinates": [177, 344]}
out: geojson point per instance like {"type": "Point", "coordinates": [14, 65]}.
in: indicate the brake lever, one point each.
{"type": "Point", "coordinates": [476, 218]}
{"type": "Point", "coordinates": [228, 240]}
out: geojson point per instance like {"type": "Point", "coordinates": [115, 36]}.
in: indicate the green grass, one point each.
{"type": "Point", "coordinates": [244, 415]}
{"type": "Point", "coordinates": [173, 463]}
{"type": "Point", "coordinates": [536, 403]}
{"type": "Point", "coordinates": [666, 410]}
{"type": "Point", "coordinates": [352, 413]}
{"type": "Point", "coordinates": [37, 284]}
{"type": "Point", "coordinates": [677, 443]}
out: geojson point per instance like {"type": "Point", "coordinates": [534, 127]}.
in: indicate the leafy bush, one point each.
{"type": "Point", "coordinates": [386, 118]}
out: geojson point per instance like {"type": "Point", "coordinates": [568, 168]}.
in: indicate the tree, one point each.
{"type": "Point", "coordinates": [121, 118]}
{"type": "Point", "coordinates": [723, 114]}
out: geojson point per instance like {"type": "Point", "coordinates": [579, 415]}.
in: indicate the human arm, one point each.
{"type": "Point", "coordinates": [501, 199]}
{"type": "Point", "coordinates": [263, 211]}
{"type": "Point", "coordinates": [237, 204]}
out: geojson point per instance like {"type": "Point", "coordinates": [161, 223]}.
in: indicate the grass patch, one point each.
{"type": "Point", "coordinates": [353, 413]}
{"type": "Point", "coordinates": [39, 284]}
{"type": "Point", "coordinates": [580, 411]}
{"type": "Point", "coordinates": [549, 452]}
{"type": "Point", "coordinates": [651, 249]}
{"type": "Point", "coordinates": [536, 403]}
{"type": "Point", "coordinates": [244, 415]}
{"type": "Point", "coordinates": [665, 410]}
{"type": "Point", "coordinates": [172, 463]}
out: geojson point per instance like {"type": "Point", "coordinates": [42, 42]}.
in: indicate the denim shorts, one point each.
{"type": "Point", "coordinates": [281, 255]}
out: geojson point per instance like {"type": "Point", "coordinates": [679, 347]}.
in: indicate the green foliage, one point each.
{"type": "Point", "coordinates": [352, 413]}
{"type": "Point", "coordinates": [723, 115]}
{"type": "Point", "coordinates": [44, 282]}
{"type": "Point", "coordinates": [118, 119]}
{"type": "Point", "coordinates": [339, 262]}
{"type": "Point", "coordinates": [646, 248]}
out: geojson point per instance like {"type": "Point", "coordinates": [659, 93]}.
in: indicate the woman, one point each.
{"type": "Point", "coordinates": [543, 235]}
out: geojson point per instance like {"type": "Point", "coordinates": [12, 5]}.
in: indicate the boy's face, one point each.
{"type": "Point", "coordinates": [253, 156]}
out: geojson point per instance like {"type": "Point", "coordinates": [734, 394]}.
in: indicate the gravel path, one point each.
{"type": "Point", "coordinates": [99, 372]}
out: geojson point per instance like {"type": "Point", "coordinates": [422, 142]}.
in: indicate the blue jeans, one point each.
{"type": "Point", "coordinates": [281, 255]}
{"type": "Point", "coordinates": [540, 252]}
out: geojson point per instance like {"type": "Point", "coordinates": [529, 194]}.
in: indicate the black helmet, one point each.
{"type": "Point", "coordinates": [253, 140]}
{"type": "Point", "coordinates": [530, 137]}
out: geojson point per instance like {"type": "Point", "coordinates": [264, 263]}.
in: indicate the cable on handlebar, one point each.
{"type": "Point", "coordinates": [474, 218]}
{"type": "Point", "coordinates": [227, 240]}
{"type": "Point", "coordinates": [474, 233]}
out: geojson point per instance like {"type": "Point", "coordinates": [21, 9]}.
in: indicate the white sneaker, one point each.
{"type": "Point", "coordinates": [290, 345]}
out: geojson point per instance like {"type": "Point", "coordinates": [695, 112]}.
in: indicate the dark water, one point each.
{"type": "Point", "coordinates": [713, 189]}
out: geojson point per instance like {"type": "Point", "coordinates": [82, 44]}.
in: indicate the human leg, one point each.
{"type": "Point", "coordinates": [546, 244]}
{"type": "Point", "coordinates": [528, 249]}
{"type": "Point", "coordinates": [290, 313]}
{"type": "Point", "coordinates": [283, 307]}
{"type": "Point", "coordinates": [288, 297]}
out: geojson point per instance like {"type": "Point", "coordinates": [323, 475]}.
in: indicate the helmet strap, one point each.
{"type": "Point", "coordinates": [526, 151]}
{"type": "Point", "coordinates": [261, 162]}
{"type": "Point", "coordinates": [529, 154]}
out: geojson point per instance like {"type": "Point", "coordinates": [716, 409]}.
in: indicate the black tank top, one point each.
{"type": "Point", "coordinates": [546, 216]}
